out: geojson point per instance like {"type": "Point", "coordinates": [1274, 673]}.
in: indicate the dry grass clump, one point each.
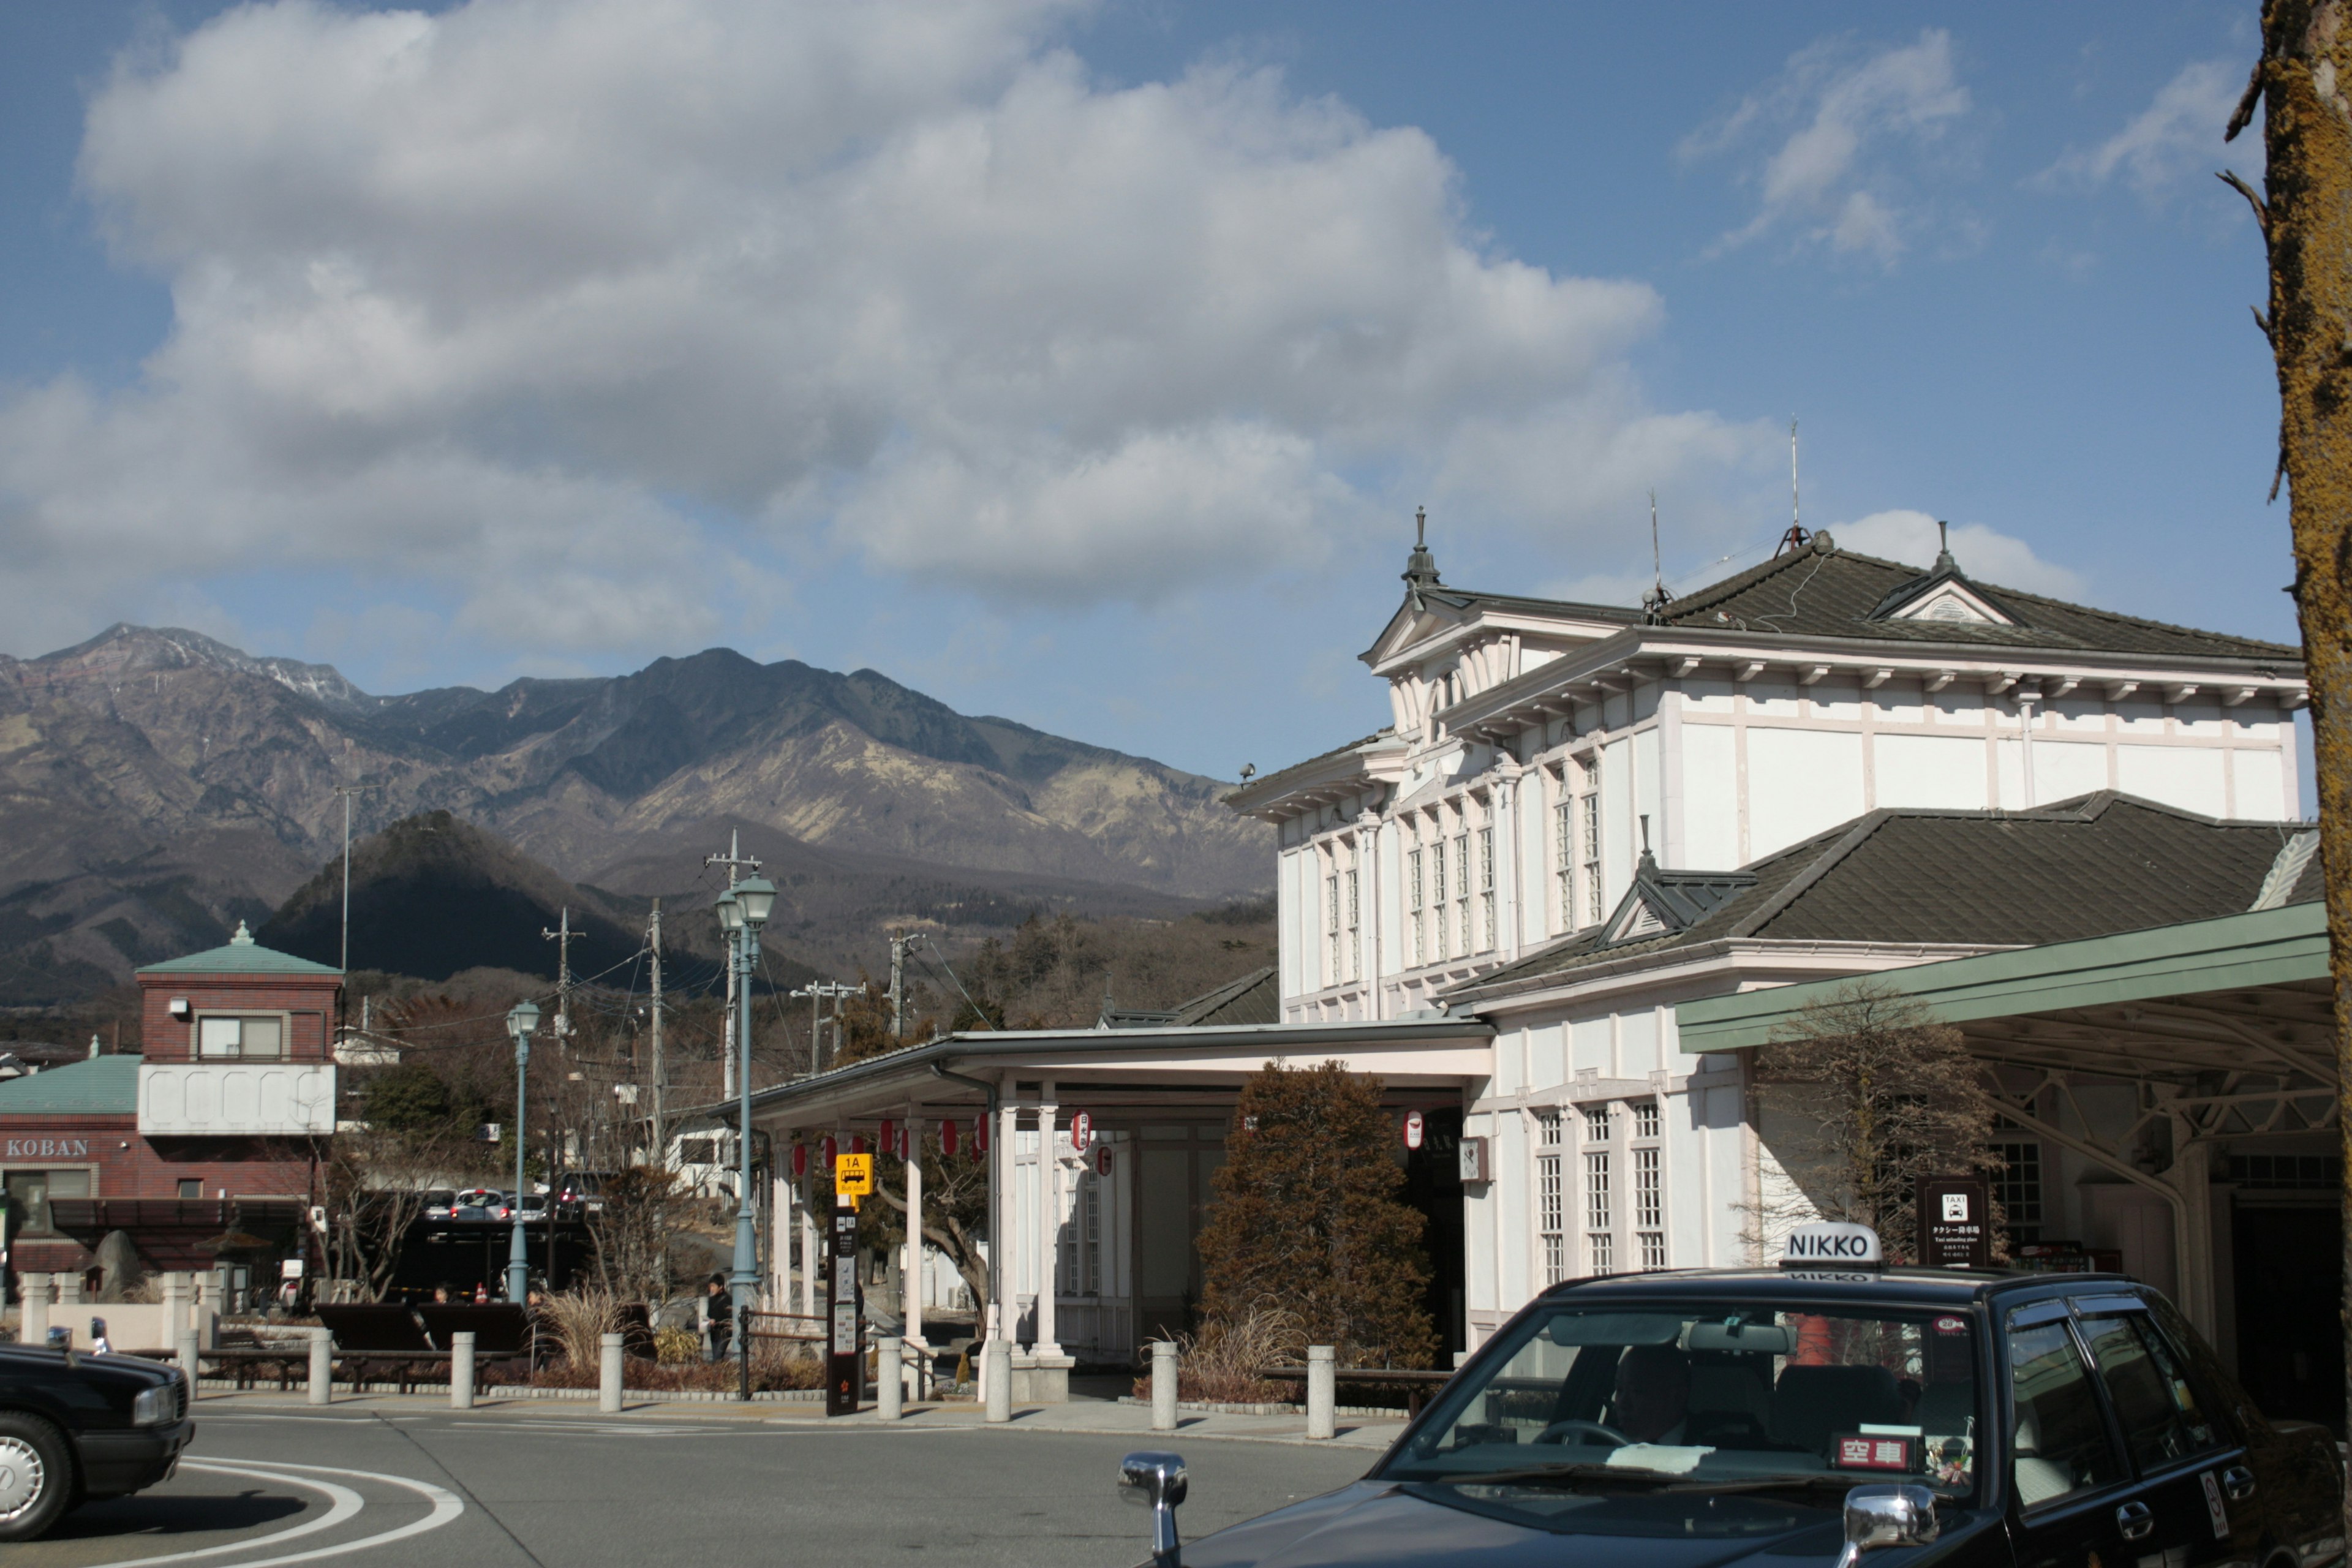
{"type": "Point", "coordinates": [1220, 1365]}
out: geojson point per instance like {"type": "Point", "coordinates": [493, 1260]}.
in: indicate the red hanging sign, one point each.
{"type": "Point", "coordinates": [800, 1159]}
{"type": "Point", "coordinates": [1412, 1128]}
{"type": "Point", "coordinates": [905, 1142]}
{"type": "Point", "coordinates": [948, 1138]}
{"type": "Point", "coordinates": [980, 1135]}
{"type": "Point", "coordinates": [832, 1150]}
{"type": "Point", "coordinates": [1082, 1131]}
{"type": "Point", "coordinates": [885, 1139]}
{"type": "Point", "coordinates": [857, 1143]}
{"type": "Point", "coordinates": [1102, 1161]}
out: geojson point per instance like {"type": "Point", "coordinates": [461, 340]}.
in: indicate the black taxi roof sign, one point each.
{"type": "Point", "coordinates": [1832, 1243]}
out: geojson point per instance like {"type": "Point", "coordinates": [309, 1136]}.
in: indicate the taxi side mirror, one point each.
{"type": "Point", "coordinates": [1156, 1480]}
{"type": "Point", "coordinates": [1886, 1516]}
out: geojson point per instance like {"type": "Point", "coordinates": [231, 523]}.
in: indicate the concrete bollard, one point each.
{"type": "Point", "coordinates": [1163, 1385]}
{"type": "Point", "coordinates": [34, 1328]}
{"type": "Point", "coordinates": [461, 1370]}
{"type": "Point", "coordinates": [608, 1378]}
{"type": "Point", "coordinates": [996, 1379]}
{"type": "Point", "coordinates": [189, 1364]}
{"type": "Point", "coordinates": [1322, 1391]}
{"type": "Point", "coordinates": [323, 1367]}
{"type": "Point", "coordinates": [890, 1381]}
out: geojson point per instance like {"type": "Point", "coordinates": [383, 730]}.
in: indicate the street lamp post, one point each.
{"type": "Point", "coordinates": [521, 1019]}
{"type": "Point", "coordinates": [744, 908]}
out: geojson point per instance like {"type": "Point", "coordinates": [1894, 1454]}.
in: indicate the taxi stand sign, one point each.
{"type": "Point", "coordinates": [1832, 1244]}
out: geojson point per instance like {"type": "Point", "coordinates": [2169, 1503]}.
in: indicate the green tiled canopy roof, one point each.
{"type": "Point", "coordinates": [102, 1085]}
{"type": "Point", "coordinates": [242, 955]}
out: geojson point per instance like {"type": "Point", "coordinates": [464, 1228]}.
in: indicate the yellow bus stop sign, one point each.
{"type": "Point", "coordinates": [853, 1175]}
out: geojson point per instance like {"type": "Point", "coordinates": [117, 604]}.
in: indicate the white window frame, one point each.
{"type": "Point", "coordinates": [1486, 921]}
{"type": "Point", "coordinates": [1552, 1197]}
{"type": "Point", "coordinates": [1589, 817]}
{"type": "Point", "coordinates": [198, 1051]}
{"type": "Point", "coordinates": [1412, 886]}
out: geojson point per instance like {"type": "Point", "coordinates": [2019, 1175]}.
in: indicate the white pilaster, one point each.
{"type": "Point", "coordinates": [910, 1275]}
{"type": "Point", "coordinates": [809, 1264]}
{"type": "Point", "coordinates": [1003, 1164]}
{"type": "Point", "coordinates": [1049, 1223]}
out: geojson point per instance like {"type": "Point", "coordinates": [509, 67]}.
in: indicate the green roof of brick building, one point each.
{"type": "Point", "coordinates": [242, 955]}
{"type": "Point", "coordinates": [102, 1085]}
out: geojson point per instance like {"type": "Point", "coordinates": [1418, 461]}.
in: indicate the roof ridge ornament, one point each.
{"type": "Point", "coordinates": [1420, 567]}
{"type": "Point", "coordinates": [242, 937]}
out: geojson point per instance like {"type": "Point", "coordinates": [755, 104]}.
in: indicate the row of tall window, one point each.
{"type": "Point", "coordinates": [1450, 893]}
{"type": "Point", "coordinates": [1576, 845]}
{"type": "Point", "coordinates": [1614, 1151]}
{"type": "Point", "coordinates": [1343, 921]}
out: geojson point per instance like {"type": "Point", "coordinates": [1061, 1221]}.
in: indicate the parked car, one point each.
{"type": "Point", "coordinates": [441, 1202]}
{"type": "Point", "coordinates": [74, 1427]}
{"type": "Point", "coordinates": [1760, 1416]}
{"type": "Point", "coordinates": [479, 1203]}
{"type": "Point", "coordinates": [531, 1208]}
{"type": "Point", "coordinates": [579, 1193]}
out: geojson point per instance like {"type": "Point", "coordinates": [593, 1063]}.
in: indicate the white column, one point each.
{"type": "Point", "coordinates": [780, 1244]}
{"type": "Point", "coordinates": [911, 1274]}
{"type": "Point", "coordinates": [33, 1329]}
{"type": "Point", "coordinates": [1049, 1223]}
{"type": "Point", "coordinates": [1003, 1162]}
{"type": "Point", "coordinates": [809, 1261]}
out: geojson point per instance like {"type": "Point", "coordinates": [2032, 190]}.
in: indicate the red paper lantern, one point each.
{"type": "Point", "coordinates": [1082, 1131]}
{"type": "Point", "coordinates": [905, 1142]}
{"type": "Point", "coordinates": [980, 1135]}
{"type": "Point", "coordinates": [1102, 1160]}
{"type": "Point", "coordinates": [886, 1139]}
{"type": "Point", "coordinates": [832, 1150]}
{"type": "Point", "coordinates": [857, 1143]}
{"type": "Point", "coordinates": [948, 1138]}
{"type": "Point", "coordinates": [800, 1159]}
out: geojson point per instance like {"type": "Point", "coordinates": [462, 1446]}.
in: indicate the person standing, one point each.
{"type": "Point", "coordinates": [718, 1317]}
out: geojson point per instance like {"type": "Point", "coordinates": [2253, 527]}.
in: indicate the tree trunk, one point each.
{"type": "Point", "coordinates": [2301, 82]}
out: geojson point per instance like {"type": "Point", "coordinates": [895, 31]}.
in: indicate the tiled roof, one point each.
{"type": "Point", "coordinates": [1253, 999]}
{"type": "Point", "coordinates": [1834, 593]}
{"type": "Point", "coordinates": [240, 955]}
{"type": "Point", "coordinates": [99, 1086]}
{"type": "Point", "coordinates": [1312, 764]}
{"type": "Point", "coordinates": [2092, 866]}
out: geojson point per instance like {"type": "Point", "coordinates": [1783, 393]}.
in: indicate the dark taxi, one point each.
{"type": "Point", "coordinates": [76, 1426]}
{"type": "Point", "coordinates": [1964, 1419]}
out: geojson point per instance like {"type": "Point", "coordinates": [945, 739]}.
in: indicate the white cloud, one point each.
{"type": "Point", "coordinates": [571, 294]}
{"type": "Point", "coordinates": [1840, 120]}
{"type": "Point", "coordinates": [1986, 555]}
{"type": "Point", "coordinates": [2176, 137]}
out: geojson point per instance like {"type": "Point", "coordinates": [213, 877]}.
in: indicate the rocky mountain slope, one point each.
{"type": "Point", "coordinates": [156, 786]}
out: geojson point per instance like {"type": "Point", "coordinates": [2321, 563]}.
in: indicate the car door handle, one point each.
{"type": "Point", "coordinates": [2136, 1520]}
{"type": "Point", "coordinates": [2239, 1482]}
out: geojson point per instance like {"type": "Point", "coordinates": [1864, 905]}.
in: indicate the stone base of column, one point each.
{"type": "Point", "coordinates": [1041, 1378]}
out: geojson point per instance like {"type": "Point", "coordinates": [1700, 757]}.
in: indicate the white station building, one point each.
{"type": "Point", "coordinates": [1584, 817]}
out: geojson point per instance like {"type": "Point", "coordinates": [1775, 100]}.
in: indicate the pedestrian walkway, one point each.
{"type": "Point", "coordinates": [1100, 1416]}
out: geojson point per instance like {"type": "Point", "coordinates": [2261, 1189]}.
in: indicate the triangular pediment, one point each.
{"type": "Point", "coordinates": [1947, 596]}
{"type": "Point", "coordinates": [1662, 902]}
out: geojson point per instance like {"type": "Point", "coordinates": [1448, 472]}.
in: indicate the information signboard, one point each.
{"type": "Point", "coordinates": [844, 1362]}
{"type": "Point", "coordinates": [1955, 1222]}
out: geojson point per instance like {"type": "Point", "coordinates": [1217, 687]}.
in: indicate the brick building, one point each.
{"type": "Point", "coordinates": [203, 1149]}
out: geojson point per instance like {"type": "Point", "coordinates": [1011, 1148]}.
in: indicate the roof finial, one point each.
{"type": "Point", "coordinates": [1944, 562]}
{"type": "Point", "coordinates": [1654, 604]}
{"type": "Point", "coordinates": [243, 938]}
{"type": "Point", "coordinates": [1420, 567]}
{"type": "Point", "coordinates": [1649, 861]}
{"type": "Point", "coordinates": [1796, 538]}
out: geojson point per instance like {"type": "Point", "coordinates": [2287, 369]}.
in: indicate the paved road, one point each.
{"type": "Point", "coordinates": [567, 1489]}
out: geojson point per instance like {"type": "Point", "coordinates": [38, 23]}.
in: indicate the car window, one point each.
{"type": "Point", "coordinates": [2059, 1443]}
{"type": "Point", "coordinates": [2154, 1404]}
{"type": "Point", "coordinates": [1721, 1390]}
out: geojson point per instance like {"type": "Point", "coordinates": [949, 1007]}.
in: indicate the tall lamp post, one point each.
{"type": "Point", "coordinates": [521, 1019]}
{"type": "Point", "coordinates": [742, 909]}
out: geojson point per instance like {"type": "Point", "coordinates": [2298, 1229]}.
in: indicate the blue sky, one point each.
{"type": "Point", "coordinates": [1084, 364]}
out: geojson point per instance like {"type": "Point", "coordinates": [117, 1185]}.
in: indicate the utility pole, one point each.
{"type": "Point", "coordinates": [898, 985]}
{"type": "Point", "coordinates": [562, 938]}
{"type": "Point", "coordinates": [347, 791]}
{"type": "Point", "coordinates": [661, 1146]}
{"type": "Point", "coordinates": [818, 991]}
{"type": "Point", "coordinates": [736, 862]}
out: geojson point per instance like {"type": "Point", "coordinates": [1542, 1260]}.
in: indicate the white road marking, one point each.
{"type": "Point", "coordinates": [447, 1506]}
{"type": "Point", "coordinates": [345, 1504]}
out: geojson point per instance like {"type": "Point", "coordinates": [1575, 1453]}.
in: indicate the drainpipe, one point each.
{"type": "Point", "coordinates": [995, 1232]}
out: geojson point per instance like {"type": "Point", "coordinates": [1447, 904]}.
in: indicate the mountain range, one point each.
{"type": "Point", "coordinates": [157, 786]}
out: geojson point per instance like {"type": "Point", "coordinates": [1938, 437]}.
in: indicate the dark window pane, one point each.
{"type": "Point", "coordinates": [2060, 1445]}
{"type": "Point", "coordinates": [2153, 1404]}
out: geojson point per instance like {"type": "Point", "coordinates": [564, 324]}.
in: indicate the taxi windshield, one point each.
{"type": "Point", "coordinates": [1712, 1398]}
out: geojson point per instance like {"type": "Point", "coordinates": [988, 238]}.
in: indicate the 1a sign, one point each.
{"type": "Point", "coordinates": [1955, 1222]}
{"type": "Point", "coordinates": [853, 1175]}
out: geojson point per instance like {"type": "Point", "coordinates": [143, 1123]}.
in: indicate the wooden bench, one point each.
{"type": "Point", "coordinates": [1417, 1383]}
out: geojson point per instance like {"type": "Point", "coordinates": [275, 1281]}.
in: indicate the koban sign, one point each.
{"type": "Point", "coordinates": [45, 1149]}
